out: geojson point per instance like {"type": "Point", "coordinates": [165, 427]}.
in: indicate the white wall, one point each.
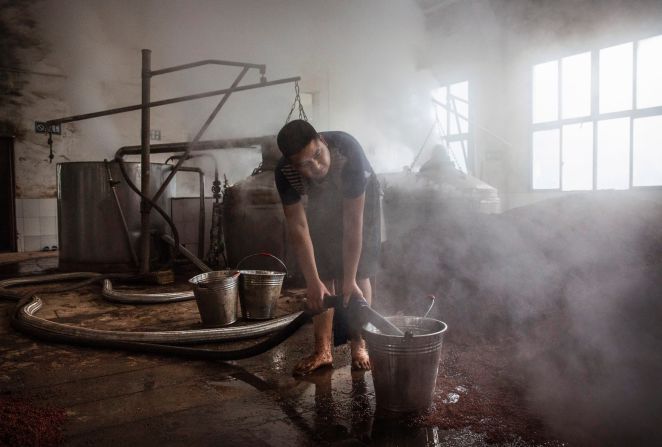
{"type": "Point", "coordinates": [359, 58]}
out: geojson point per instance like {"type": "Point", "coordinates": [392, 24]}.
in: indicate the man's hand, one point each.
{"type": "Point", "coordinates": [350, 289]}
{"type": "Point", "coordinates": [315, 293]}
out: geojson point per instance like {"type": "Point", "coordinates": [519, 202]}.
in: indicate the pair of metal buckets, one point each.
{"type": "Point", "coordinates": [220, 293]}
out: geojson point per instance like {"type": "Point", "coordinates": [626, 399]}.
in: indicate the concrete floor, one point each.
{"type": "Point", "coordinates": [116, 398]}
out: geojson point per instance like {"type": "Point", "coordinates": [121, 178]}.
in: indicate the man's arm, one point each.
{"type": "Point", "coordinates": [352, 243]}
{"type": "Point", "coordinates": [297, 226]}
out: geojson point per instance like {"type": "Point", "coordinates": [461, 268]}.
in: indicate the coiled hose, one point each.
{"type": "Point", "coordinates": [86, 339]}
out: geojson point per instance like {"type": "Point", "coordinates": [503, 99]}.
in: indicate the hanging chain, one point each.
{"type": "Point", "coordinates": [50, 146]}
{"type": "Point", "coordinates": [297, 100]}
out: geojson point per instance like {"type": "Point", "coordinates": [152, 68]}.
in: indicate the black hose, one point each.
{"type": "Point", "coordinates": [18, 296]}
{"type": "Point", "coordinates": [171, 224]}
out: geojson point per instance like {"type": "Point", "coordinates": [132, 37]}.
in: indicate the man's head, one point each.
{"type": "Point", "coordinates": [304, 148]}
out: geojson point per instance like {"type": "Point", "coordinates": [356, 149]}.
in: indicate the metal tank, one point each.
{"type": "Point", "coordinates": [436, 191]}
{"type": "Point", "coordinates": [92, 236]}
{"type": "Point", "coordinates": [254, 222]}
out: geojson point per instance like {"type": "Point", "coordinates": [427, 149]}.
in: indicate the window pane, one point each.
{"type": "Point", "coordinates": [616, 78]}
{"type": "Point", "coordinates": [457, 151]}
{"type": "Point", "coordinates": [441, 95]}
{"type": "Point", "coordinates": [458, 101]}
{"type": "Point", "coordinates": [647, 155]}
{"type": "Point", "coordinates": [577, 157]}
{"type": "Point", "coordinates": [460, 90]}
{"type": "Point", "coordinates": [546, 92]}
{"type": "Point", "coordinates": [576, 85]}
{"type": "Point", "coordinates": [649, 72]}
{"type": "Point", "coordinates": [546, 150]}
{"type": "Point", "coordinates": [614, 154]}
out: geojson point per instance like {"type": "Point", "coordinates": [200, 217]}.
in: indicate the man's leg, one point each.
{"type": "Point", "coordinates": [360, 359]}
{"type": "Point", "coordinates": [323, 330]}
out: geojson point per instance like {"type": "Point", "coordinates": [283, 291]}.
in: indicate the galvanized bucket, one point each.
{"type": "Point", "coordinates": [216, 294]}
{"type": "Point", "coordinates": [259, 290]}
{"type": "Point", "coordinates": [404, 369]}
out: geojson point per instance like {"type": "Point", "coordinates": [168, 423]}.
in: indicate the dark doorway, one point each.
{"type": "Point", "coordinates": [7, 203]}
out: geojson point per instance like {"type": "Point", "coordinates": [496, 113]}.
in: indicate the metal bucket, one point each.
{"type": "Point", "coordinates": [216, 294]}
{"type": "Point", "coordinates": [259, 290]}
{"type": "Point", "coordinates": [404, 369]}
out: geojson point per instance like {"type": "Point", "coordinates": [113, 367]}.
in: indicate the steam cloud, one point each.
{"type": "Point", "coordinates": [358, 60]}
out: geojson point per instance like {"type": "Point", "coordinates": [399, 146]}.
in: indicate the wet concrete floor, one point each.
{"type": "Point", "coordinates": [118, 398]}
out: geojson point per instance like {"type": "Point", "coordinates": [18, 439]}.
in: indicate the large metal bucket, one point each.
{"type": "Point", "coordinates": [404, 369]}
{"type": "Point", "coordinates": [259, 290]}
{"type": "Point", "coordinates": [216, 294]}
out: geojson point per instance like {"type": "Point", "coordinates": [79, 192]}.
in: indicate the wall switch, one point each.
{"type": "Point", "coordinates": [155, 134]}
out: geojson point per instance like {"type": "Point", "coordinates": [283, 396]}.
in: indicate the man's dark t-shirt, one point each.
{"type": "Point", "coordinates": [349, 176]}
{"type": "Point", "coordinates": [355, 171]}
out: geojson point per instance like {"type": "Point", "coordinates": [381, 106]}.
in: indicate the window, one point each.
{"type": "Point", "coordinates": [451, 108]}
{"type": "Point", "coordinates": [597, 119]}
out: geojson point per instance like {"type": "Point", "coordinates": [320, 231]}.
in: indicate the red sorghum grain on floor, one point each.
{"type": "Point", "coordinates": [477, 389]}
{"type": "Point", "coordinates": [25, 423]}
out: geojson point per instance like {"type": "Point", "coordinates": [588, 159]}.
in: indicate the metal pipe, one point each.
{"type": "Point", "coordinates": [261, 67]}
{"type": "Point", "coordinates": [202, 213]}
{"type": "Point", "coordinates": [29, 308]}
{"type": "Point", "coordinates": [197, 137]}
{"type": "Point", "coordinates": [226, 143]}
{"type": "Point", "coordinates": [160, 210]}
{"type": "Point", "coordinates": [117, 296]}
{"type": "Point", "coordinates": [164, 102]}
{"type": "Point", "coordinates": [145, 207]}
{"type": "Point", "coordinates": [5, 284]}
{"type": "Point", "coordinates": [27, 314]}
{"type": "Point", "coordinates": [127, 234]}
{"type": "Point", "coordinates": [183, 250]}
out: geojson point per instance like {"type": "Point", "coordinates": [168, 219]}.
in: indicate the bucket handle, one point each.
{"type": "Point", "coordinates": [264, 253]}
{"type": "Point", "coordinates": [431, 298]}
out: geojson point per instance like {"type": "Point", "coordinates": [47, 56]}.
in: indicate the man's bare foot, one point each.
{"type": "Point", "coordinates": [312, 362]}
{"type": "Point", "coordinates": [360, 359]}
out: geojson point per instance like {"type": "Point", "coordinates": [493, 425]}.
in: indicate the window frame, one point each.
{"type": "Point", "coordinates": [594, 117]}
{"type": "Point", "coordinates": [468, 135]}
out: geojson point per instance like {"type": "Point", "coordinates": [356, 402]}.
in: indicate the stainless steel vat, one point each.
{"type": "Point", "coordinates": [91, 234]}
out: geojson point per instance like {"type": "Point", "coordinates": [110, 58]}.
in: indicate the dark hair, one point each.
{"type": "Point", "coordinates": [294, 136]}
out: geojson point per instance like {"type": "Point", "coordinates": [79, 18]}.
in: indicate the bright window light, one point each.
{"type": "Point", "coordinates": [458, 102]}
{"type": "Point", "coordinates": [614, 154]}
{"type": "Point", "coordinates": [617, 146]}
{"type": "Point", "coordinates": [546, 92]}
{"type": "Point", "coordinates": [647, 155]}
{"type": "Point", "coordinates": [616, 78]}
{"type": "Point", "coordinates": [576, 85]}
{"type": "Point", "coordinates": [456, 150]}
{"type": "Point", "coordinates": [441, 95]}
{"type": "Point", "coordinates": [451, 108]}
{"type": "Point", "coordinates": [649, 73]}
{"type": "Point", "coordinates": [577, 157]}
{"type": "Point", "coordinates": [546, 158]}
